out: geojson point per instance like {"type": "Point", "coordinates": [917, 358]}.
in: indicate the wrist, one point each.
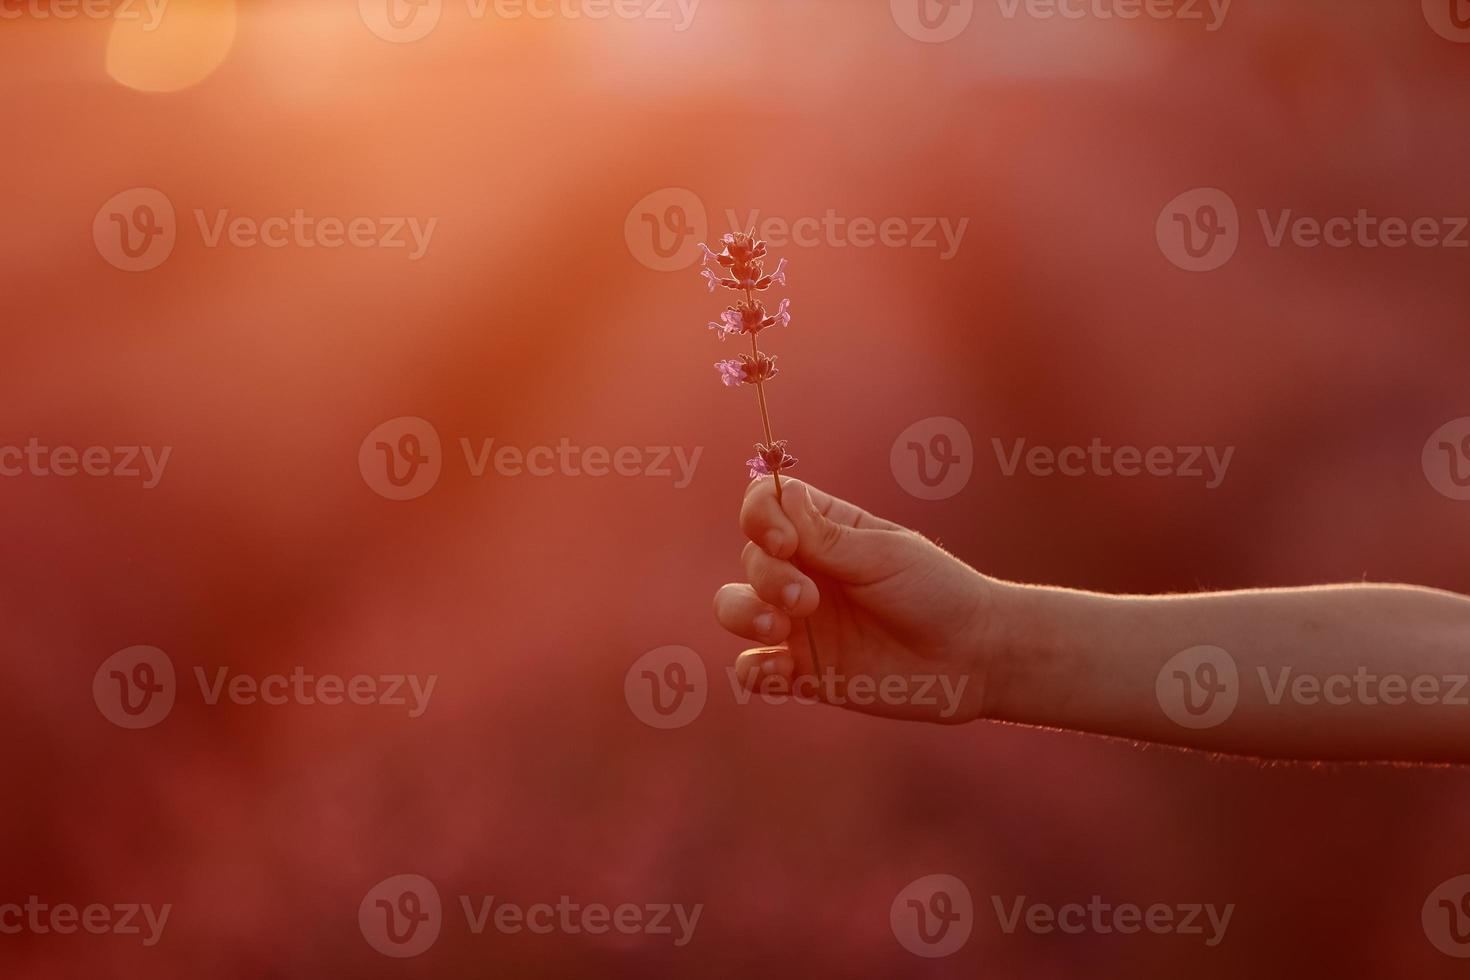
{"type": "Point", "coordinates": [1041, 654]}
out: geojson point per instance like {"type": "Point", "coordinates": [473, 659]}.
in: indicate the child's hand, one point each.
{"type": "Point", "coordinates": [900, 626]}
{"type": "Point", "coordinates": [902, 629]}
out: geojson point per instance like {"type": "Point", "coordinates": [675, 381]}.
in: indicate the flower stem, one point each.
{"type": "Point", "coordinates": [760, 397]}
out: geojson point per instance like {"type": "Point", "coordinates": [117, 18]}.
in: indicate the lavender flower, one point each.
{"type": "Point", "coordinates": [770, 460]}
{"type": "Point", "coordinates": [738, 265]}
{"type": "Point", "coordinates": [731, 372]}
{"type": "Point", "coordinates": [730, 322]}
{"type": "Point", "coordinates": [747, 369]}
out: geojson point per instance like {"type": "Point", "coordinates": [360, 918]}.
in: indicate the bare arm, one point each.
{"type": "Point", "coordinates": [1354, 672]}
{"type": "Point", "coordinates": [1345, 672]}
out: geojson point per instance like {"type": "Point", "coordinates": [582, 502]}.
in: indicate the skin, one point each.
{"type": "Point", "coordinates": [881, 601]}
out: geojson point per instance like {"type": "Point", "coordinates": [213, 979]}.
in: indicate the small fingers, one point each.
{"type": "Point", "coordinates": [741, 611]}
{"type": "Point", "coordinates": [780, 583]}
{"type": "Point", "coordinates": [765, 670]}
{"type": "Point", "coordinates": [764, 522]}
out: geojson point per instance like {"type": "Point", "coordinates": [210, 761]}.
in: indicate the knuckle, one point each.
{"type": "Point", "coordinates": [829, 536]}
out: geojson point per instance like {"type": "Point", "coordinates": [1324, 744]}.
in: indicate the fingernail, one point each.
{"type": "Point", "coordinates": [764, 623]}
{"type": "Point", "coordinates": [791, 595]}
{"type": "Point", "coordinates": [774, 540]}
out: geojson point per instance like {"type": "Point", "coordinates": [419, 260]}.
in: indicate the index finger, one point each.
{"type": "Point", "coordinates": [770, 525]}
{"type": "Point", "coordinates": [763, 521]}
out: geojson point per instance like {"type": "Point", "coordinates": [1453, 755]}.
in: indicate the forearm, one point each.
{"type": "Point", "coordinates": [1351, 672]}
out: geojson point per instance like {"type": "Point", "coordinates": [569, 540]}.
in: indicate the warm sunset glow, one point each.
{"type": "Point", "coordinates": [178, 49]}
{"type": "Point", "coordinates": [386, 591]}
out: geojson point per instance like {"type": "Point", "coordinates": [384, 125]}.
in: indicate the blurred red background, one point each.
{"type": "Point", "coordinates": [532, 318]}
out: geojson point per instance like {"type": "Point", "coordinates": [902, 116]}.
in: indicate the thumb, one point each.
{"type": "Point", "coordinates": [840, 540]}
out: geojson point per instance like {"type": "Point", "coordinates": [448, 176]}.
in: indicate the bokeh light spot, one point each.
{"type": "Point", "coordinates": [174, 51]}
